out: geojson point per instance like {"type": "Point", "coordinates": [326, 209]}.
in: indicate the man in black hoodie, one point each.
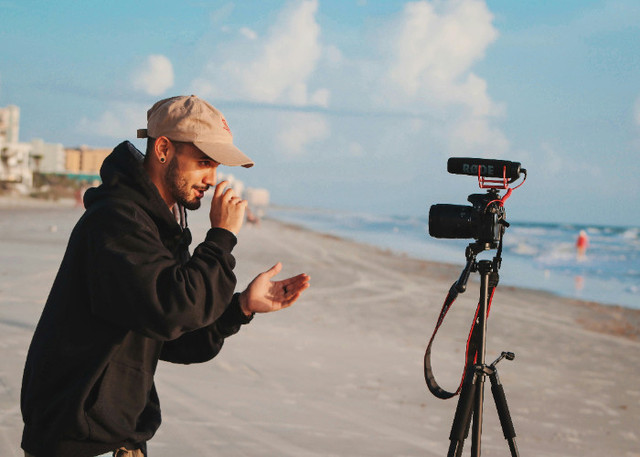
{"type": "Point", "coordinates": [129, 293]}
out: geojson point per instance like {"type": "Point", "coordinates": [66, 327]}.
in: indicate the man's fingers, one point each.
{"type": "Point", "coordinates": [235, 200]}
{"type": "Point", "coordinates": [296, 281]}
{"type": "Point", "coordinates": [227, 209]}
{"type": "Point", "coordinates": [292, 288]}
{"type": "Point", "coordinates": [229, 194]}
{"type": "Point", "coordinates": [226, 194]}
{"type": "Point", "coordinates": [274, 270]}
{"type": "Point", "coordinates": [220, 188]}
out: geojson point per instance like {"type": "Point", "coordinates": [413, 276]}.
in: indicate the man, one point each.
{"type": "Point", "coordinates": [129, 293]}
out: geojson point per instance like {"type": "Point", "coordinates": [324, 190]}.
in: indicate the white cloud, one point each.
{"type": "Point", "coordinates": [289, 56]}
{"type": "Point", "coordinates": [274, 69]}
{"type": "Point", "coordinates": [121, 120]}
{"type": "Point", "coordinates": [430, 53]}
{"type": "Point", "coordinates": [556, 162]}
{"type": "Point", "coordinates": [320, 97]}
{"type": "Point", "coordinates": [203, 87]}
{"type": "Point", "coordinates": [434, 48]}
{"type": "Point", "coordinates": [300, 131]}
{"type": "Point", "coordinates": [476, 136]}
{"type": "Point", "coordinates": [424, 65]}
{"type": "Point", "coordinates": [154, 76]}
{"type": "Point", "coordinates": [248, 33]}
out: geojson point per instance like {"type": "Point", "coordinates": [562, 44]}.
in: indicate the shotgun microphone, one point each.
{"type": "Point", "coordinates": [489, 168]}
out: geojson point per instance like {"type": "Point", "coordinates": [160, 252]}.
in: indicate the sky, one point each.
{"type": "Point", "coordinates": [355, 105]}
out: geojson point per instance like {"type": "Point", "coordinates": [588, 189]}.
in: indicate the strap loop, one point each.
{"type": "Point", "coordinates": [470, 353]}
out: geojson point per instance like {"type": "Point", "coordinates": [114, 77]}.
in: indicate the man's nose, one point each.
{"type": "Point", "coordinates": [210, 178]}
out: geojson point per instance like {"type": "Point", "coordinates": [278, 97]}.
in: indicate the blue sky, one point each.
{"type": "Point", "coordinates": [355, 105]}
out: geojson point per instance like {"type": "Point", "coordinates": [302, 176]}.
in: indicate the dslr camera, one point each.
{"type": "Point", "coordinates": [485, 220]}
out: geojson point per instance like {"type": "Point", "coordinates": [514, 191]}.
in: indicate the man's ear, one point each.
{"type": "Point", "coordinates": [162, 148]}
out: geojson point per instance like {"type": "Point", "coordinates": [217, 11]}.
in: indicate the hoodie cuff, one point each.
{"type": "Point", "coordinates": [222, 237]}
{"type": "Point", "coordinates": [236, 311]}
{"type": "Point", "coordinates": [233, 317]}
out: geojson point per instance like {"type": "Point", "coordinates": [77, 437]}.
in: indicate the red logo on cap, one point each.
{"type": "Point", "coordinates": [226, 126]}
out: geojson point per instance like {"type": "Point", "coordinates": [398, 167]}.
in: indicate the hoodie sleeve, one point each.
{"type": "Point", "coordinates": [204, 344]}
{"type": "Point", "coordinates": [141, 286]}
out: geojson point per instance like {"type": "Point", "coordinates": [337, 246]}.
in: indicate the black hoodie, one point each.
{"type": "Point", "coordinates": [127, 294]}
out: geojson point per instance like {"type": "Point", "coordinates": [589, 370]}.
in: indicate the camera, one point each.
{"type": "Point", "coordinates": [485, 220]}
{"type": "Point", "coordinates": [482, 221]}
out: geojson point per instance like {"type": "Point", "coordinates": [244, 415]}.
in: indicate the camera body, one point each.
{"type": "Point", "coordinates": [483, 221]}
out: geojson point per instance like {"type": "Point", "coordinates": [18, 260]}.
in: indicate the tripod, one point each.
{"type": "Point", "coordinates": [485, 222]}
{"type": "Point", "coordinates": [471, 401]}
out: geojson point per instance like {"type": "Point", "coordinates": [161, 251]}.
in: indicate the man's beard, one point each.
{"type": "Point", "coordinates": [178, 187]}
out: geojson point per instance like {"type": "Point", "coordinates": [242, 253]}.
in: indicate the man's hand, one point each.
{"type": "Point", "coordinates": [264, 295]}
{"type": "Point", "coordinates": [227, 209]}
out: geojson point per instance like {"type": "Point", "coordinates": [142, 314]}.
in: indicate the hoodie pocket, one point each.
{"type": "Point", "coordinates": [116, 402]}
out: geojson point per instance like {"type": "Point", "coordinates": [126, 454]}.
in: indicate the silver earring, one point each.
{"type": "Point", "coordinates": [162, 159]}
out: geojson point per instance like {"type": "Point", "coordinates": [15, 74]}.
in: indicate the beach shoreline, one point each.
{"type": "Point", "coordinates": [608, 318]}
{"type": "Point", "coordinates": [535, 255]}
{"type": "Point", "coordinates": [340, 372]}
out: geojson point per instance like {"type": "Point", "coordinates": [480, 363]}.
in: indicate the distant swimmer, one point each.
{"type": "Point", "coordinates": [581, 245]}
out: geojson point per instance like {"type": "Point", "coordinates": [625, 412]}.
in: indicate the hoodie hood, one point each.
{"type": "Point", "coordinates": [125, 179]}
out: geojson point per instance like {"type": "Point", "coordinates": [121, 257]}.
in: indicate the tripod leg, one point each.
{"type": "Point", "coordinates": [462, 418]}
{"type": "Point", "coordinates": [477, 417]}
{"type": "Point", "coordinates": [503, 412]}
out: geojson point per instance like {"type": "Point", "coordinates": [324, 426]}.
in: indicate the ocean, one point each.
{"type": "Point", "coordinates": [535, 255]}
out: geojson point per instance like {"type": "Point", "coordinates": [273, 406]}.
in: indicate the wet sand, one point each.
{"type": "Point", "coordinates": [340, 373]}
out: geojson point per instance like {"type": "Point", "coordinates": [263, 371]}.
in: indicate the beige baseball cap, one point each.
{"type": "Point", "coordinates": [193, 120]}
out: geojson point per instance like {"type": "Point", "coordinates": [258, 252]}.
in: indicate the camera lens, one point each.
{"type": "Point", "coordinates": [452, 221]}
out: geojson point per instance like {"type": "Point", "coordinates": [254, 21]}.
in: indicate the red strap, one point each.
{"type": "Point", "coordinates": [471, 352]}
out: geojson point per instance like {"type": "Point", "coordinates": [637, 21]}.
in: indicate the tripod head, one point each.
{"type": "Point", "coordinates": [471, 253]}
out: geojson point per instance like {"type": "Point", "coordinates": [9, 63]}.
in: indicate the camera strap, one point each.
{"type": "Point", "coordinates": [471, 352]}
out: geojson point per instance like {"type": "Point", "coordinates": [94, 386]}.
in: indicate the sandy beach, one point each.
{"type": "Point", "coordinates": [340, 373]}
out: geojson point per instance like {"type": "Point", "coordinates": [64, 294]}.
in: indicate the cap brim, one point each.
{"type": "Point", "coordinates": [225, 154]}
